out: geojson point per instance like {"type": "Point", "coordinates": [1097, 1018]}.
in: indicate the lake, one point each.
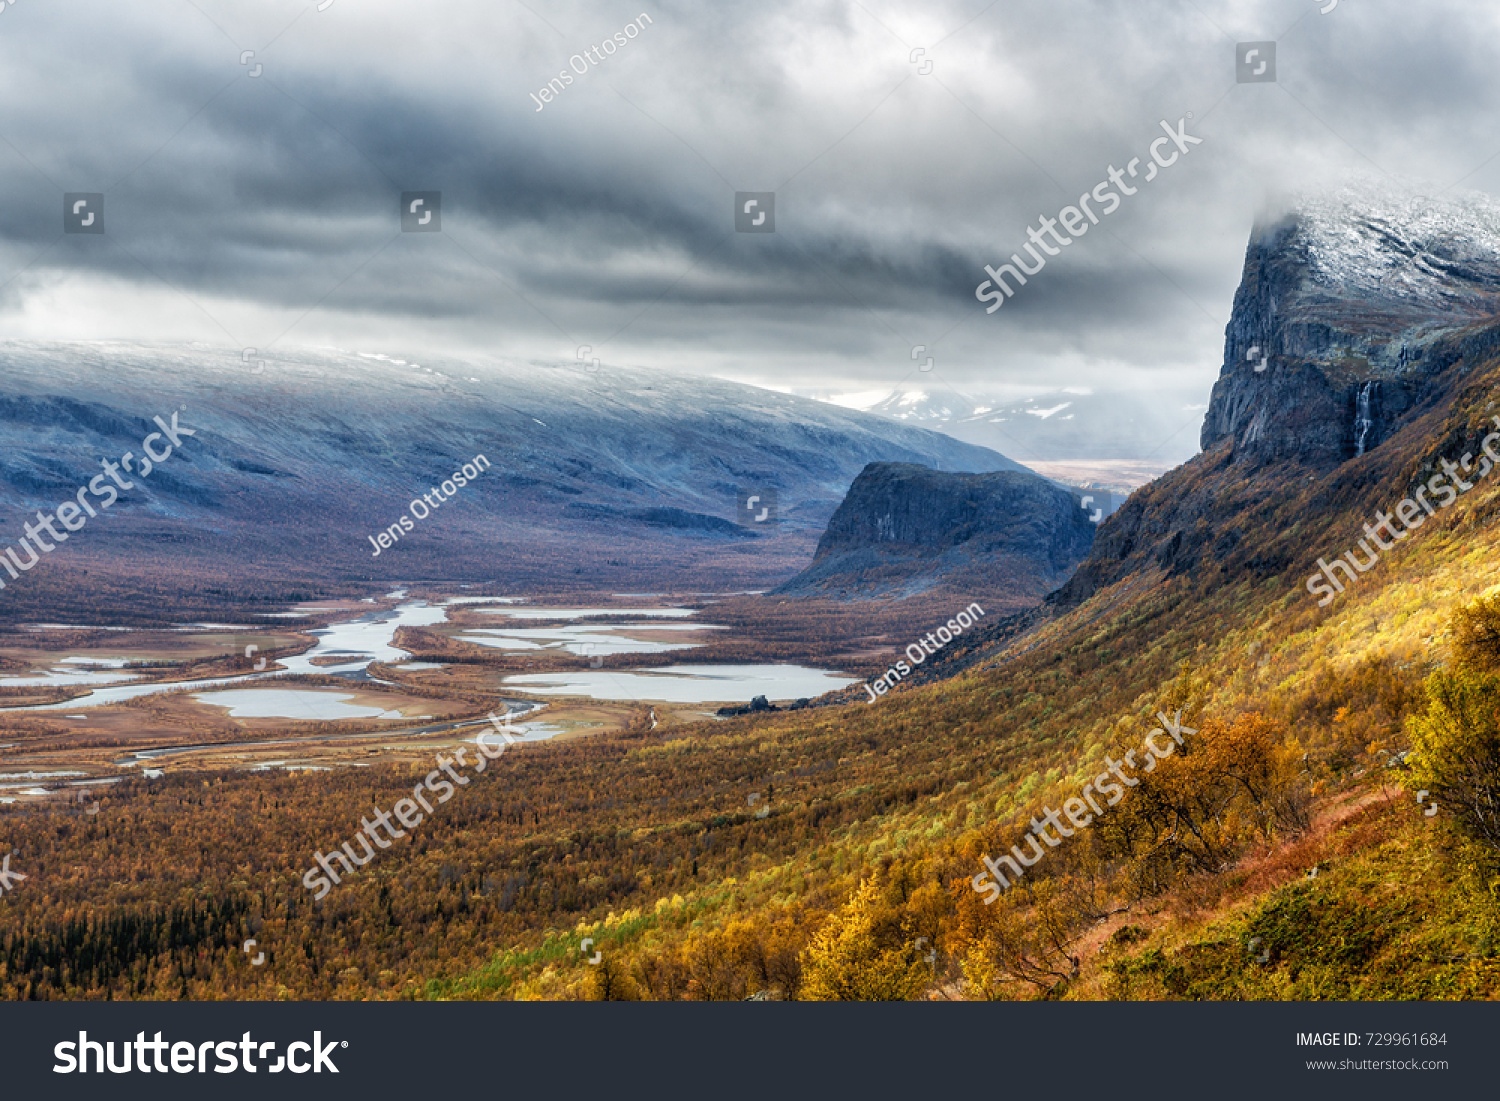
{"type": "Point", "coordinates": [292, 703]}
{"type": "Point", "coordinates": [686, 683]}
{"type": "Point", "coordinates": [368, 638]}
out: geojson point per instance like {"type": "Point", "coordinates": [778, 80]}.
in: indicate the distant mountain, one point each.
{"type": "Point", "coordinates": [1060, 426]}
{"type": "Point", "coordinates": [904, 530]}
{"type": "Point", "coordinates": [608, 477]}
{"type": "Point", "coordinates": [1119, 478]}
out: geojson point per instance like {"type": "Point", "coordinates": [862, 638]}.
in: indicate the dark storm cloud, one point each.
{"type": "Point", "coordinates": [271, 201]}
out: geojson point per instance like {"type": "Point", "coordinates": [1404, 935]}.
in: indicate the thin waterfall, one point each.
{"type": "Point", "coordinates": [1364, 421]}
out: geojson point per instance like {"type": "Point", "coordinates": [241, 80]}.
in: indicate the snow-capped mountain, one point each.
{"type": "Point", "coordinates": [1344, 306]}
{"type": "Point", "coordinates": [1360, 321]}
{"type": "Point", "coordinates": [1399, 253]}
{"type": "Point", "coordinates": [605, 476]}
{"type": "Point", "coordinates": [1062, 426]}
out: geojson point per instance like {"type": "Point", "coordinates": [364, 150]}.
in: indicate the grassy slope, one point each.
{"type": "Point", "coordinates": [944, 764]}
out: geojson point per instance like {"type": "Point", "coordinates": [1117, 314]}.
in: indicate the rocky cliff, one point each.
{"type": "Point", "coordinates": [1339, 310]}
{"type": "Point", "coordinates": [1357, 319]}
{"type": "Point", "coordinates": [905, 530]}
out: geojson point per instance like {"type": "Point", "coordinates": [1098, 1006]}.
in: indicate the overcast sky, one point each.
{"type": "Point", "coordinates": [263, 210]}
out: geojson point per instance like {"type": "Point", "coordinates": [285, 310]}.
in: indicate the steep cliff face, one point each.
{"type": "Point", "coordinates": [1365, 313]}
{"type": "Point", "coordinates": [1341, 306]}
{"type": "Point", "coordinates": [904, 529]}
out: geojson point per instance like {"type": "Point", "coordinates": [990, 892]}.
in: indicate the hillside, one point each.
{"type": "Point", "coordinates": [298, 460]}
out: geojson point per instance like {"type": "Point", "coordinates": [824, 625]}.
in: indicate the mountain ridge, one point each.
{"type": "Point", "coordinates": [301, 456]}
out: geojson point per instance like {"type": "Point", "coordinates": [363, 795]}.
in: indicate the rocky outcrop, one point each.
{"type": "Point", "coordinates": [759, 704]}
{"type": "Point", "coordinates": [905, 529]}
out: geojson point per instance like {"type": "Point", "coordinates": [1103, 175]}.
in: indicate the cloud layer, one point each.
{"type": "Point", "coordinates": [262, 210]}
